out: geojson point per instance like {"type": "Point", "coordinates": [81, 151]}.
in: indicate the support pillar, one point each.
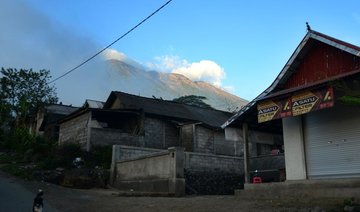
{"type": "Point", "coordinates": [246, 152]}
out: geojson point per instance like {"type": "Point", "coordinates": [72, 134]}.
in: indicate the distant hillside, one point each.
{"type": "Point", "coordinates": [134, 79]}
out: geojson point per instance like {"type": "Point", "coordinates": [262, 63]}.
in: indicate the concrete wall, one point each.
{"type": "Point", "coordinates": [161, 172]}
{"type": "Point", "coordinates": [75, 130]}
{"type": "Point", "coordinates": [121, 153]}
{"type": "Point", "coordinates": [294, 148]}
{"type": "Point", "coordinates": [204, 173]}
{"type": "Point", "coordinates": [106, 136]}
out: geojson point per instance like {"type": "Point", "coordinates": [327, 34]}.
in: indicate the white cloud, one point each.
{"type": "Point", "coordinates": [204, 70]}
{"type": "Point", "coordinates": [112, 54]}
{"type": "Point", "coordinates": [167, 63]}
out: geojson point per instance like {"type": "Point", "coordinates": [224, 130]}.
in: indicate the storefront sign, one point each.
{"type": "Point", "coordinates": [295, 105]}
{"type": "Point", "coordinates": [267, 111]}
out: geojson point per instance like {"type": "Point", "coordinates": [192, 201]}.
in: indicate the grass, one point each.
{"type": "Point", "coordinates": [19, 170]}
{"type": "Point", "coordinates": [14, 165]}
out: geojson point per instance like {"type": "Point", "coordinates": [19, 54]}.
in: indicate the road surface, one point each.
{"type": "Point", "coordinates": [15, 197]}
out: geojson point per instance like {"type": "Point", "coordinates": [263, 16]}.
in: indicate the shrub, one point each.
{"type": "Point", "coordinates": [62, 156]}
{"type": "Point", "coordinates": [99, 156]}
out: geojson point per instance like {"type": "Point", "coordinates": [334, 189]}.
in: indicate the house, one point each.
{"type": "Point", "coordinates": [132, 120]}
{"type": "Point", "coordinates": [47, 118]}
{"type": "Point", "coordinates": [160, 136]}
{"type": "Point", "coordinates": [306, 105]}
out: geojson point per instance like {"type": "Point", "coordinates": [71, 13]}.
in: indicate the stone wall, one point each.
{"type": "Point", "coordinates": [75, 130]}
{"type": "Point", "coordinates": [106, 136]}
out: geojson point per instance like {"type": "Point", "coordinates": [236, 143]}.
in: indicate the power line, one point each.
{"type": "Point", "coordinates": [106, 47]}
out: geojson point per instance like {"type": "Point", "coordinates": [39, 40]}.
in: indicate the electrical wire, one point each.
{"type": "Point", "coordinates": [106, 47]}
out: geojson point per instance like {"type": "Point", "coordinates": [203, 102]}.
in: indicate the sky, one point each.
{"type": "Point", "coordinates": [240, 46]}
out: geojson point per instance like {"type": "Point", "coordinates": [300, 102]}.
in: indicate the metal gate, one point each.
{"type": "Point", "coordinates": [332, 142]}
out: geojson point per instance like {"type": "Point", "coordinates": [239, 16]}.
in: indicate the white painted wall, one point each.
{"type": "Point", "coordinates": [294, 148]}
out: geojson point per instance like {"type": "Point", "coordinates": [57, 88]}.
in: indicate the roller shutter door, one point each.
{"type": "Point", "coordinates": [332, 142]}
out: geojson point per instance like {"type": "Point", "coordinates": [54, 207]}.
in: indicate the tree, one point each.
{"type": "Point", "coordinates": [348, 90]}
{"type": "Point", "coordinates": [23, 92]}
{"type": "Point", "coordinates": [193, 100]}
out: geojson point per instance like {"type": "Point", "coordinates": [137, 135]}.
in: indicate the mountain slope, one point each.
{"type": "Point", "coordinates": [136, 80]}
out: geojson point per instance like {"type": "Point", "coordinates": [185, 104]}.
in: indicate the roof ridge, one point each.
{"type": "Point", "coordinates": [168, 101]}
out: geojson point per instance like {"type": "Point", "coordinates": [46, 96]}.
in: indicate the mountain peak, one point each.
{"type": "Point", "coordinates": [136, 80]}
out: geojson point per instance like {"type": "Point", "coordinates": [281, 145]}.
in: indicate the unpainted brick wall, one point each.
{"type": "Point", "coordinates": [204, 140]}
{"type": "Point", "coordinates": [104, 136]}
{"type": "Point", "coordinates": [187, 137]}
{"type": "Point", "coordinates": [74, 130]}
{"type": "Point", "coordinates": [128, 152]}
{"type": "Point", "coordinates": [160, 134]}
{"type": "Point", "coordinates": [212, 141]}
{"type": "Point", "coordinates": [210, 162]}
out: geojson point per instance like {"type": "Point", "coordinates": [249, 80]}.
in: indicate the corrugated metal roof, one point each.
{"type": "Point", "coordinates": [60, 109]}
{"type": "Point", "coordinates": [286, 71]}
{"type": "Point", "coordinates": [94, 103]}
{"type": "Point", "coordinates": [210, 117]}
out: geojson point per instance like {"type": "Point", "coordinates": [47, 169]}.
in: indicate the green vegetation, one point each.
{"type": "Point", "coordinates": [22, 93]}
{"type": "Point", "coordinates": [194, 101]}
{"type": "Point", "coordinates": [350, 100]}
{"type": "Point", "coordinates": [27, 153]}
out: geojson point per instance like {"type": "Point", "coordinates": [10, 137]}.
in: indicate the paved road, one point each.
{"type": "Point", "coordinates": [15, 198]}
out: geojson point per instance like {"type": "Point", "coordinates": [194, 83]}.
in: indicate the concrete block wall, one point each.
{"type": "Point", "coordinates": [210, 162]}
{"type": "Point", "coordinates": [154, 133]}
{"type": "Point", "coordinates": [204, 140]}
{"type": "Point", "coordinates": [75, 130]}
{"type": "Point", "coordinates": [160, 134]}
{"type": "Point", "coordinates": [121, 152]}
{"type": "Point", "coordinates": [187, 137]}
{"type": "Point", "coordinates": [172, 135]}
{"type": "Point", "coordinates": [224, 147]}
{"type": "Point", "coordinates": [211, 141]}
{"type": "Point", "coordinates": [105, 136]}
{"type": "Point", "coordinates": [213, 174]}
